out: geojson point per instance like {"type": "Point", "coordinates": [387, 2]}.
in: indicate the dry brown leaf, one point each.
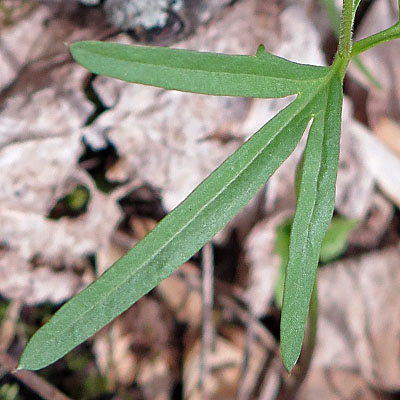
{"type": "Point", "coordinates": [382, 61]}
{"type": "Point", "coordinates": [264, 263]}
{"type": "Point", "coordinates": [372, 228]}
{"type": "Point", "coordinates": [113, 356]}
{"type": "Point", "coordinates": [388, 131]}
{"type": "Point", "coordinates": [155, 378]}
{"type": "Point", "coordinates": [358, 328]}
{"type": "Point", "coordinates": [225, 363]}
{"type": "Point", "coordinates": [25, 36]}
{"type": "Point", "coordinates": [335, 384]}
{"type": "Point", "coordinates": [40, 144]}
{"type": "Point", "coordinates": [19, 281]}
{"type": "Point", "coordinates": [383, 164]}
{"type": "Point", "coordinates": [184, 301]}
{"type": "Point", "coordinates": [135, 347]}
{"type": "Point", "coordinates": [355, 183]}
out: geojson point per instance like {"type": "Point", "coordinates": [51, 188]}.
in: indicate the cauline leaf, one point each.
{"type": "Point", "coordinates": [219, 197]}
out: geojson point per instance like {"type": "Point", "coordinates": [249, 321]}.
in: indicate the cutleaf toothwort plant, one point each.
{"type": "Point", "coordinates": [218, 198]}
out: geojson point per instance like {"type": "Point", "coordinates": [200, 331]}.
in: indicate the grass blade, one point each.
{"type": "Point", "coordinates": [262, 75]}
{"type": "Point", "coordinates": [175, 239]}
{"type": "Point", "coordinates": [313, 214]}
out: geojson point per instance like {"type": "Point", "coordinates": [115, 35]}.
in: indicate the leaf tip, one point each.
{"type": "Point", "coordinates": [288, 361]}
{"type": "Point", "coordinates": [291, 343]}
{"type": "Point", "coordinates": [37, 355]}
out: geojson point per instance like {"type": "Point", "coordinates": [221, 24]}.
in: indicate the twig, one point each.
{"type": "Point", "coordinates": [207, 342]}
{"type": "Point", "coordinates": [8, 324]}
{"type": "Point", "coordinates": [245, 385]}
{"type": "Point", "coordinates": [32, 380]}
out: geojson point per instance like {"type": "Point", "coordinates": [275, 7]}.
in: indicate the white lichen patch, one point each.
{"type": "Point", "coordinates": [128, 14]}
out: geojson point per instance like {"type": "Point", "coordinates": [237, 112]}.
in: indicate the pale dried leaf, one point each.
{"type": "Point", "coordinates": [25, 36]}
{"type": "Point", "coordinates": [264, 263]}
{"type": "Point", "coordinates": [19, 281]}
{"type": "Point", "coordinates": [181, 297]}
{"type": "Point", "coordinates": [388, 131]}
{"type": "Point", "coordinates": [225, 363]}
{"type": "Point", "coordinates": [335, 384]}
{"type": "Point", "coordinates": [358, 331]}
{"type": "Point", "coordinates": [383, 164]}
{"type": "Point", "coordinates": [155, 378]}
{"type": "Point", "coordinates": [113, 355]}
{"type": "Point", "coordinates": [382, 61]}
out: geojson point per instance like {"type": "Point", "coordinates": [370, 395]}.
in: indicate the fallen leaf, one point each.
{"type": "Point", "coordinates": [335, 384]}
{"type": "Point", "coordinates": [383, 164]}
{"type": "Point", "coordinates": [382, 62]}
{"type": "Point", "coordinates": [388, 131]}
{"type": "Point", "coordinates": [357, 330]}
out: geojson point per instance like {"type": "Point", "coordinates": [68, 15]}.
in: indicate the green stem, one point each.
{"type": "Point", "coordinates": [371, 41]}
{"type": "Point", "coordinates": [346, 30]}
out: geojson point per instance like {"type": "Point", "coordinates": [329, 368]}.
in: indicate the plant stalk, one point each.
{"type": "Point", "coordinates": [345, 39]}
{"type": "Point", "coordinates": [371, 41]}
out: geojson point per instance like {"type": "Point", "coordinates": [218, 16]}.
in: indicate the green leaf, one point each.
{"type": "Point", "coordinates": [217, 199]}
{"type": "Point", "coordinates": [176, 238]}
{"type": "Point", "coordinates": [335, 240]}
{"type": "Point", "coordinates": [313, 215]}
{"type": "Point", "coordinates": [263, 75]}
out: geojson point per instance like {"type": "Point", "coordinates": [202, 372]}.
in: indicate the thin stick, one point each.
{"type": "Point", "coordinates": [32, 380]}
{"type": "Point", "coordinates": [207, 342]}
{"type": "Point", "coordinates": [244, 385]}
